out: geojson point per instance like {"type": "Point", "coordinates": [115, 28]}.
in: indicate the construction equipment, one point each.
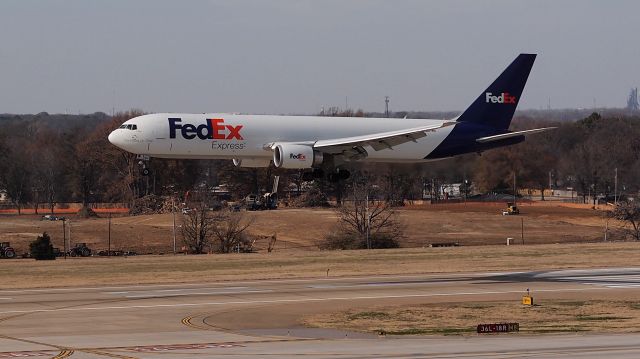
{"type": "Point", "coordinates": [254, 202]}
{"type": "Point", "coordinates": [511, 210]}
{"type": "Point", "coordinates": [6, 251]}
{"type": "Point", "coordinates": [80, 250]}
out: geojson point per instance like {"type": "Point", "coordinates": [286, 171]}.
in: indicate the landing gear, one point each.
{"type": "Point", "coordinates": [339, 175]}
{"type": "Point", "coordinates": [143, 160]}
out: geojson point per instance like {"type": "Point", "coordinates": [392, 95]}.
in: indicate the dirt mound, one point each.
{"type": "Point", "coordinates": [86, 212]}
{"type": "Point", "coordinates": [151, 204]}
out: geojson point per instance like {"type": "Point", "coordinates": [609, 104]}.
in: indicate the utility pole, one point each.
{"type": "Point", "coordinates": [366, 211]}
{"type": "Point", "coordinates": [64, 237]}
{"type": "Point", "coordinates": [615, 188]}
{"type": "Point", "coordinates": [173, 211]}
{"type": "Point", "coordinates": [109, 240]}
{"type": "Point", "coordinates": [386, 106]}
{"type": "Point", "coordinates": [514, 188]}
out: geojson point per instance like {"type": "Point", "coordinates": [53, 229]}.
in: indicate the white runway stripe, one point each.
{"type": "Point", "coordinates": [615, 280]}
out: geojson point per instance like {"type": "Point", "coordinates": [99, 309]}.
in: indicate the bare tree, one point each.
{"type": "Point", "coordinates": [364, 221]}
{"type": "Point", "coordinates": [197, 229]}
{"type": "Point", "coordinates": [229, 231]}
{"type": "Point", "coordinates": [15, 176]}
{"type": "Point", "coordinates": [629, 213]}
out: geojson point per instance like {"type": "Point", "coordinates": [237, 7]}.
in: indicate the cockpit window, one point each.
{"type": "Point", "coordinates": [134, 127]}
{"type": "Point", "coordinates": [128, 127]}
{"type": "Point", "coordinates": [123, 126]}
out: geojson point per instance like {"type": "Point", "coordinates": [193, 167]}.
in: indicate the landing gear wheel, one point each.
{"type": "Point", "coordinates": [10, 254]}
{"type": "Point", "coordinates": [339, 175]}
{"type": "Point", "coordinates": [145, 172]}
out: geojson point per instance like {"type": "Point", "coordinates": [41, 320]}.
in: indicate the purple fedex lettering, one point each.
{"type": "Point", "coordinates": [213, 129]}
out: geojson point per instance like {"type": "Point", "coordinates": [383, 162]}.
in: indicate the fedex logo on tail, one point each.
{"type": "Point", "coordinates": [214, 129]}
{"type": "Point", "coordinates": [504, 97]}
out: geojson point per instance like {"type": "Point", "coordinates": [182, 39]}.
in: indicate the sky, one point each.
{"type": "Point", "coordinates": [297, 56]}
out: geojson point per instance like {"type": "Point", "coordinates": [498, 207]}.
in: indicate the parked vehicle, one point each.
{"type": "Point", "coordinates": [511, 210]}
{"type": "Point", "coordinates": [51, 217]}
{"type": "Point", "coordinates": [80, 250]}
{"type": "Point", "coordinates": [6, 251]}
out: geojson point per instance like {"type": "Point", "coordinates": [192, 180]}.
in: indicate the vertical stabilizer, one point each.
{"type": "Point", "coordinates": [496, 105]}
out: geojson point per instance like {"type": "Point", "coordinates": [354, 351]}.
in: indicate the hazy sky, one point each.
{"type": "Point", "coordinates": [297, 56]}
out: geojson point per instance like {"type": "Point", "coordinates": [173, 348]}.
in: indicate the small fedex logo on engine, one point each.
{"type": "Point", "coordinates": [504, 97]}
{"type": "Point", "coordinates": [299, 156]}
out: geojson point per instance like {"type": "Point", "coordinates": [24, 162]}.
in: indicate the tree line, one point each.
{"type": "Point", "coordinates": [50, 159]}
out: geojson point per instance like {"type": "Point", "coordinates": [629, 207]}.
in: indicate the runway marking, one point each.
{"type": "Point", "coordinates": [609, 281]}
{"type": "Point", "coordinates": [298, 300]}
{"type": "Point", "coordinates": [64, 354]}
{"type": "Point", "coordinates": [164, 348]}
{"type": "Point", "coordinates": [27, 354]}
{"type": "Point", "coordinates": [201, 293]}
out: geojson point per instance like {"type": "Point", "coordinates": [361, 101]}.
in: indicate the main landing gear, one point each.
{"type": "Point", "coordinates": [338, 175]}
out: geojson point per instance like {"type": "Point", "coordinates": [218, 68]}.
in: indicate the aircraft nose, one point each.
{"type": "Point", "coordinates": [114, 139]}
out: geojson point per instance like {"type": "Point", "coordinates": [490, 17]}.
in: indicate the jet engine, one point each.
{"type": "Point", "coordinates": [252, 162]}
{"type": "Point", "coordinates": [289, 155]}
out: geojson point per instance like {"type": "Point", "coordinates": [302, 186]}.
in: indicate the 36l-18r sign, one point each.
{"type": "Point", "coordinates": [498, 328]}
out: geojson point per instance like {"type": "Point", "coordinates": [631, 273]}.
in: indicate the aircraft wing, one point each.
{"type": "Point", "coordinates": [512, 134]}
{"type": "Point", "coordinates": [353, 147]}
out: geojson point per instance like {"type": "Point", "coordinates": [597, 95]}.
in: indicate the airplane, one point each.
{"type": "Point", "coordinates": [316, 143]}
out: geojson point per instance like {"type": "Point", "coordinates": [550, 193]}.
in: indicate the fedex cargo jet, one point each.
{"type": "Point", "coordinates": [328, 143]}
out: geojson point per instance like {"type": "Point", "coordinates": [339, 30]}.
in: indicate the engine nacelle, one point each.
{"type": "Point", "coordinates": [289, 155]}
{"type": "Point", "coordinates": [251, 162]}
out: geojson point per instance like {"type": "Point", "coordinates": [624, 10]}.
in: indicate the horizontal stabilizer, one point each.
{"type": "Point", "coordinates": [512, 134]}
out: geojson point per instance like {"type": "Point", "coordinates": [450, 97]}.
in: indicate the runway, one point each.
{"type": "Point", "coordinates": [261, 318]}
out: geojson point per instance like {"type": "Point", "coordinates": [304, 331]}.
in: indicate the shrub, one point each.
{"type": "Point", "coordinates": [41, 248]}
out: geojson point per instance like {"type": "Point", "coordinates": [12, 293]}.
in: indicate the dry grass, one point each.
{"type": "Point", "coordinates": [460, 318]}
{"type": "Point", "coordinates": [28, 273]}
{"type": "Point", "coordinates": [299, 229]}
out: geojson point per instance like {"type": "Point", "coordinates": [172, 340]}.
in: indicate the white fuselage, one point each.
{"type": "Point", "coordinates": [229, 136]}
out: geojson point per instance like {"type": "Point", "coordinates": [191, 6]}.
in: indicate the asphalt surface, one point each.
{"type": "Point", "coordinates": [261, 318]}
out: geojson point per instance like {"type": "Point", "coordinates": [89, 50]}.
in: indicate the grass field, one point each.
{"type": "Point", "coordinates": [300, 229]}
{"type": "Point", "coordinates": [551, 316]}
{"type": "Point", "coordinates": [28, 273]}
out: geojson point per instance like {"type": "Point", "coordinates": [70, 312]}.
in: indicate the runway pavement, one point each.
{"type": "Point", "coordinates": [261, 318]}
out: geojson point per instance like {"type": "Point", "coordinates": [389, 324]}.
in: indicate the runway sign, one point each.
{"type": "Point", "coordinates": [498, 328]}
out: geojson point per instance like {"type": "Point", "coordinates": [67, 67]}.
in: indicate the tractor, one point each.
{"type": "Point", "coordinates": [511, 210]}
{"type": "Point", "coordinates": [80, 250]}
{"type": "Point", "coordinates": [6, 251]}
